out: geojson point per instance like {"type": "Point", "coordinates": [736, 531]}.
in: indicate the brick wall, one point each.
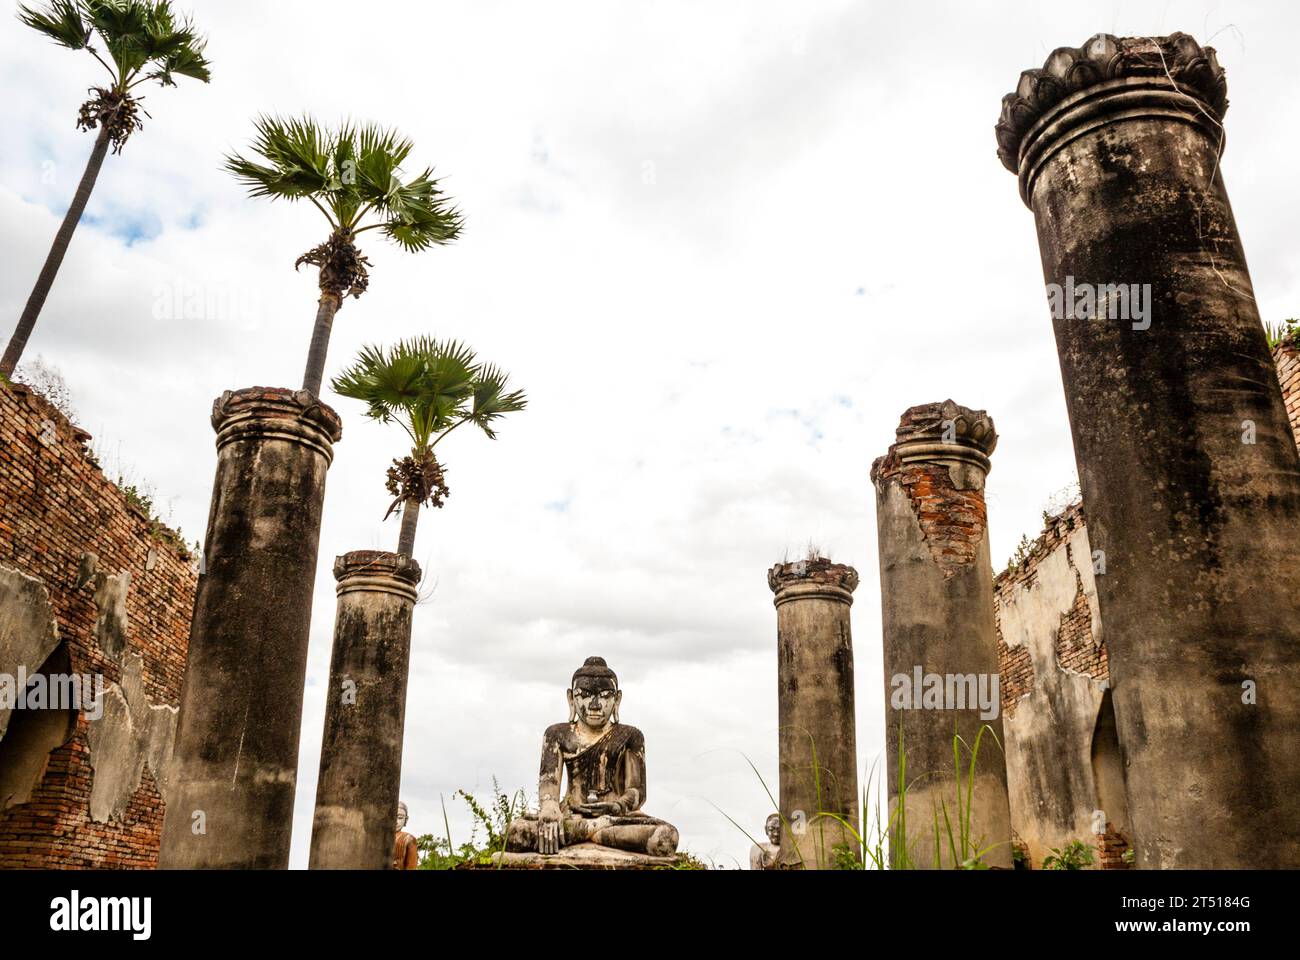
{"type": "Point", "coordinates": [1111, 847]}
{"type": "Point", "coordinates": [53, 830]}
{"type": "Point", "coordinates": [56, 506]}
{"type": "Point", "coordinates": [1076, 649]}
{"type": "Point", "coordinates": [1287, 358]}
{"type": "Point", "coordinates": [1016, 675]}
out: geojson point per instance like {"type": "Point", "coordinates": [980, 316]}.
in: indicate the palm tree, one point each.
{"type": "Point", "coordinates": [348, 175]}
{"type": "Point", "coordinates": [144, 41]}
{"type": "Point", "coordinates": [429, 387]}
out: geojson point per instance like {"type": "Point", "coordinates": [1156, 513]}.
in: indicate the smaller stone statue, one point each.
{"type": "Point", "coordinates": [406, 855]}
{"type": "Point", "coordinates": [763, 856]}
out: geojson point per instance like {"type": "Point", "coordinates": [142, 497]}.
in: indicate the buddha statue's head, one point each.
{"type": "Point", "coordinates": [773, 829]}
{"type": "Point", "coordinates": [401, 816]}
{"type": "Point", "coordinates": [594, 695]}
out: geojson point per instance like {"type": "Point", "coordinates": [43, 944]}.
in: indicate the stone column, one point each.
{"type": "Point", "coordinates": [940, 641]}
{"type": "Point", "coordinates": [1190, 478]}
{"type": "Point", "coordinates": [365, 711]}
{"type": "Point", "coordinates": [235, 760]}
{"type": "Point", "coordinates": [818, 743]}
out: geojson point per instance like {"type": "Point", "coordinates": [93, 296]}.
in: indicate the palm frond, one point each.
{"type": "Point", "coordinates": [376, 141]}
{"type": "Point", "coordinates": [61, 21]}
{"type": "Point", "coordinates": [430, 386]}
{"type": "Point", "coordinates": [376, 381]}
{"type": "Point", "coordinates": [144, 39]}
{"type": "Point", "coordinates": [174, 48]}
{"type": "Point", "coordinates": [297, 154]}
{"type": "Point", "coordinates": [420, 215]}
{"type": "Point", "coordinates": [380, 154]}
{"type": "Point", "coordinates": [351, 174]}
{"type": "Point", "coordinates": [185, 62]}
{"type": "Point", "coordinates": [123, 25]}
{"type": "Point", "coordinates": [450, 365]}
{"type": "Point", "coordinates": [491, 402]}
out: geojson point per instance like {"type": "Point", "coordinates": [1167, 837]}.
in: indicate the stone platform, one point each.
{"type": "Point", "coordinates": [581, 856]}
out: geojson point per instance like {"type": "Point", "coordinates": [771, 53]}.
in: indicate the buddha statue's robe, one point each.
{"type": "Point", "coordinates": [612, 768]}
{"type": "Point", "coordinates": [406, 853]}
{"type": "Point", "coordinates": [609, 770]}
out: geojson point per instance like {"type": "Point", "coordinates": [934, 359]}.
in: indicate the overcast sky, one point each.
{"type": "Point", "coordinates": [721, 245]}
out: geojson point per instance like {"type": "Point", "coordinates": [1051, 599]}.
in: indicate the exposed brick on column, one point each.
{"type": "Point", "coordinates": [936, 584]}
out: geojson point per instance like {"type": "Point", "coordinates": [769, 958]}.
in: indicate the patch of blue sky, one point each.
{"type": "Point", "coordinates": [130, 227]}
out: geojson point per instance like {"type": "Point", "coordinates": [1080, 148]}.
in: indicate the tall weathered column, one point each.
{"type": "Point", "coordinates": [365, 711]}
{"type": "Point", "coordinates": [1190, 478]}
{"type": "Point", "coordinates": [235, 759]}
{"type": "Point", "coordinates": [940, 641]}
{"type": "Point", "coordinates": [818, 743]}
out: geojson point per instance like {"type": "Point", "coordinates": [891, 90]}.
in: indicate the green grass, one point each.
{"type": "Point", "coordinates": [1288, 331]}
{"type": "Point", "coordinates": [965, 851]}
{"type": "Point", "coordinates": [785, 824]}
{"type": "Point", "coordinates": [882, 842]}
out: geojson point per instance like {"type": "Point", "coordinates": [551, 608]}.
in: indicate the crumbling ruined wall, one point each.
{"type": "Point", "coordinates": [89, 584]}
{"type": "Point", "coordinates": [1064, 774]}
{"type": "Point", "coordinates": [1052, 663]}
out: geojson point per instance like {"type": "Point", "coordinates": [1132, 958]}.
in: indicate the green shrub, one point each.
{"type": "Point", "coordinates": [1076, 856]}
{"type": "Point", "coordinates": [687, 861]}
{"type": "Point", "coordinates": [439, 853]}
{"type": "Point", "coordinates": [136, 497]}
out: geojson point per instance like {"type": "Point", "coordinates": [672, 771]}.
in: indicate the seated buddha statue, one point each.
{"type": "Point", "coordinates": [604, 761]}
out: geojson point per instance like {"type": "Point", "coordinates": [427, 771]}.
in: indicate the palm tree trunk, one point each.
{"type": "Point", "coordinates": [410, 517]}
{"type": "Point", "coordinates": [18, 342]}
{"type": "Point", "coordinates": [320, 342]}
